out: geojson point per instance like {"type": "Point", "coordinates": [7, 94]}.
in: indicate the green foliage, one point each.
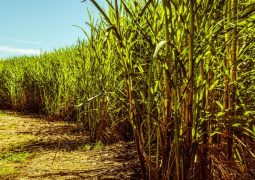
{"type": "Point", "coordinates": [15, 157]}
{"type": "Point", "coordinates": [87, 147]}
{"type": "Point", "coordinates": [8, 160]}
{"type": "Point", "coordinates": [99, 146]}
{"type": "Point", "coordinates": [142, 64]}
{"type": "Point", "coordinates": [5, 170]}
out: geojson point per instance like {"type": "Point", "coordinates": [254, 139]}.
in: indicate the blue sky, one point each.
{"type": "Point", "coordinates": [31, 26]}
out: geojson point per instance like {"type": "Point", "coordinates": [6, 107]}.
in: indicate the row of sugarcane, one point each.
{"type": "Point", "coordinates": [175, 76]}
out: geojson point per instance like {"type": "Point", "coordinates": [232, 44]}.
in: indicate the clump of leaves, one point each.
{"type": "Point", "coordinates": [87, 147]}
{"type": "Point", "coordinates": [15, 157]}
{"type": "Point", "coordinates": [5, 170]}
{"type": "Point", "coordinates": [99, 146]}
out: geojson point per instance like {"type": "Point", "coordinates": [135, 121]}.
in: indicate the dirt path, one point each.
{"type": "Point", "coordinates": [35, 148]}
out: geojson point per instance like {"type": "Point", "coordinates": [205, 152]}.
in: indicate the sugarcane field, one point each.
{"type": "Point", "coordinates": [127, 89]}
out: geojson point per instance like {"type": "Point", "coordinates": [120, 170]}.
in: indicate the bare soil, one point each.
{"type": "Point", "coordinates": [44, 149]}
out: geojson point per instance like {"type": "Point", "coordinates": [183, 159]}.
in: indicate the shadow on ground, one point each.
{"type": "Point", "coordinates": [59, 153]}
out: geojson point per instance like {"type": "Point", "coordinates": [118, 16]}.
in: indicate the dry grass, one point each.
{"type": "Point", "coordinates": [55, 150]}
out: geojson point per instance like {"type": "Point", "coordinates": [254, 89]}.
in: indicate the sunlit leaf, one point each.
{"type": "Point", "coordinates": [158, 47]}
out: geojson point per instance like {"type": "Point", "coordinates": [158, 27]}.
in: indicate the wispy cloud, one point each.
{"type": "Point", "coordinates": [21, 51]}
{"type": "Point", "coordinates": [22, 41]}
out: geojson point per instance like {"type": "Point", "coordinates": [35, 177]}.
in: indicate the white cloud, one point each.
{"type": "Point", "coordinates": [22, 41]}
{"type": "Point", "coordinates": [25, 41]}
{"type": "Point", "coordinates": [19, 50]}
